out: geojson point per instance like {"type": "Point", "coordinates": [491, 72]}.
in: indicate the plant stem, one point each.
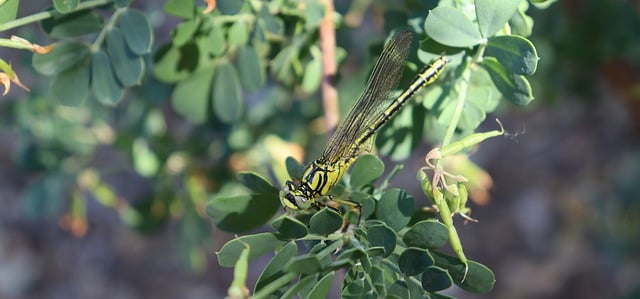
{"type": "Point", "coordinates": [463, 85]}
{"type": "Point", "coordinates": [275, 285]}
{"type": "Point", "coordinates": [328, 48]}
{"type": "Point", "coordinates": [95, 46]}
{"type": "Point", "coordinates": [48, 14]}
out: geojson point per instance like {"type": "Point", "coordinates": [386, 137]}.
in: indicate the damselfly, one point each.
{"type": "Point", "coordinates": [355, 134]}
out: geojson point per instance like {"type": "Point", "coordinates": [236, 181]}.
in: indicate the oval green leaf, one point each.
{"type": "Point", "coordinates": [136, 30]}
{"type": "Point", "coordinates": [230, 7]}
{"type": "Point", "coordinates": [517, 54]}
{"type": "Point", "coordinates": [226, 95]}
{"type": "Point", "coordinates": [479, 278]}
{"type": "Point", "coordinates": [383, 236]}
{"type": "Point", "coordinates": [289, 227]}
{"type": "Point", "coordinates": [65, 6]}
{"type": "Point", "coordinates": [259, 244]}
{"type": "Point", "coordinates": [250, 68]}
{"type": "Point", "coordinates": [294, 168]}
{"type": "Point", "coordinates": [103, 82]}
{"type": "Point", "coordinates": [306, 264]}
{"type": "Point", "coordinates": [238, 33]}
{"type": "Point", "coordinates": [73, 24]}
{"type": "Point", "coordinates": [436, 279]}
{"type": "Point", "coordinates": [190, 98]}
{"type": "Point", "coordinates": [8, 10]}
{"type": "Point", "coordinates": [242, 213]}
{"type": "Point", "coordinates": [184, 32]}
{"type": "Point", "coordinates": [414, 261]}
{"type": "Point", "coordinates": [366, 169]}
{"type": "Point", "coordinates": [62, 57]}
{"type": "Point", "coordinates": [325, 222]}
{"type": "Point", "coordinates": [257, 183]}
{"type": "Point", "coordinates": [321, 289]}
{"type": "Point", "coordinates": [451, 27]}
{"type": "Point", "coordinates": [127, 66]}
{"type": "Point", "coordinates": [395, 208]}
{"type": "Point", "coordinates": [514, 88]}
{"type": "Point", "coordinates": [312, 76]}
{"type": "Point", "coordinates": [275, 267]}
{"type": "Point", "coordinates": [71, 87]}
{"type": "Point", "coordinates": [173, 64]}
{"type": "Point", "coordinates": [185, 9]}
{"type": "Point", "coordinates": [493, 14]}
{"type": "Point", "coordinates": [426, 234]}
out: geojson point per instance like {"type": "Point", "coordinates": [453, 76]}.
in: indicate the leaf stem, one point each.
{"type": "Point", "coordinates": [463, 85]}
{"type": "Point", "coordinates": [269, 289]}
{"type": "Point", "coordinates": [48, 14]}
{"type": "Point", "coordinates": [95, 46]}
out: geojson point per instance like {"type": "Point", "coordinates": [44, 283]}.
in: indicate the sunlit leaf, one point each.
{"type": "Point", "coordinates": [65, 6]}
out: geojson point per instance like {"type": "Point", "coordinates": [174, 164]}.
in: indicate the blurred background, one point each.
{"type": "Point", "coordinates": [563, 220]}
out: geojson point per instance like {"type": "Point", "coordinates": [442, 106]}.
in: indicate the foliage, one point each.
{"type": "Point", "coordinates": [230, 72]}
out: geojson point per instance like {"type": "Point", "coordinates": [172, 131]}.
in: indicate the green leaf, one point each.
{"type": "Point", "coordinates": [366, 169]}
{"type": "Point", "coordinates": [306, 264]}
{"type": "Point", "coordinates": [451, 27]}
{"type": "Point", "coordinates": [313, 14]}
{"type": "Point", "coordinates": [282, 64]}
{"type": "Point", "coordinates": [514, 88]}
{"type": "Point", "coordinates": [479, 279]}
{"type": "Point", "coordinates": [436, 279]}
{"type": "Point", "coordinates": [127, 66]}
{"type": "Point", "coordinates": [382, 235]}
{"type": "Point", "coordinates": [174, 64]}
{"type": "Point", "coordinates": [44, 196]}
{"type": "Point", "coordinates": [289, 227]}
{"type": "Point", "coordinates": [227, 99]}
{"type": "Point", "coordinates": [185, 9]}
{"type": "Point", "coordinates": [62, 57]}
{"type": "Point", "coordinates": [398, 290]}
{"type": "Point", "coordinates": [184, 32]}
{"type": "Point", "coordinates": [520, 23]}
{"type": "Point", "coordinates": [305, 283]}
{"type": "Point", "coordinates": [250, 68]}
{"type": "Point", "coordinates": [71, 87]}
{"type": "Point", "coordinates": [414, 261]}
{"type": "Point", "coordinates": [136, 30]}
{"type": "Point", "coordinates": [426, 234]}
{"type": "Point", "coordinates": [238, 33]}
{"type": "Point", "coordinates": [8, 11]}
{"type": "Point", "coordinates": [214, 42]}
{"type": "Point", "coordinates": [517, 54]}
{"type": "Point", "coordinates": [275, 267]}
{"type": "Point", "coordinates": [257, 183]}
{"type": "Point", "coordinates": [145, 161]}
{"type": "Point", "coordinates": [325, 222]}
{"type": "Point", "coordinates": [312, 76]}
{"type": "Point", "coordinates": [259, 243]}
{"type": "Point", "coordinates": [73, 24]}
{"type": "Point", "coordinates": [271, 23]}
{"type": "Point", "coordinates": [366, 201]}
{"type": "Point", "coordinates": [242, 213]}
{"type": "Point", "coordinates": [65, 6]}
{"type": "Point", "coordinates": [294, 168]}
{"type": "Point", "coordinates": [494, 14]}
{"type": "Point", "coordinates": [395, 208]}
{"type": "Point", "coordinates": [190, 98]}
{"type": "Point", "coordinates": [230, 7]}
{"type": "Point", "coordinates": [122, 3]}
{"type": "Point", "coordinates": [103, 82]}
{"type": "Point", "coordinates": [321, 289]}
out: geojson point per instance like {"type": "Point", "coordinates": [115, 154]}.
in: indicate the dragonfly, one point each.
{"type": "Point", "coordinates": [374, 108]}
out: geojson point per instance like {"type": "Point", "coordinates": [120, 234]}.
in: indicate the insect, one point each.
{"type": "Point", "coordinates": [355, 134]}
